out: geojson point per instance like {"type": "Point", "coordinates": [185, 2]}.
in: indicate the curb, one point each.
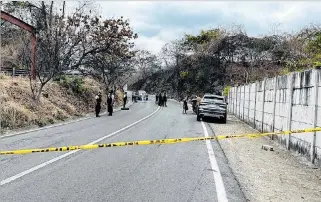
{"type": "Point", "coordinates": [59, 124]}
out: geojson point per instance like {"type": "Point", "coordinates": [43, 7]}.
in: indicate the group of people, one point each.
{"type": "Point", "coordinates": [110, 103]}
{"type": "Point", "coordinates": [161, 99]}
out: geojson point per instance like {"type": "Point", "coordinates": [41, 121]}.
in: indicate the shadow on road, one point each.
{"type": "Point", "coordinates": [190, 113]}
{"type": "Point", "coordinates": [212, 120]}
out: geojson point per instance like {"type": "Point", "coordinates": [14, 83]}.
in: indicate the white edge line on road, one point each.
{"type": "Point", "coordinates": [219, 184]}
{"type": "Point", "coordinates": [17, 176]}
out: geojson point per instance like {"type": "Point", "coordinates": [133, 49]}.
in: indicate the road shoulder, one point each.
{"type": "Point", "coordinates": [267, 175]}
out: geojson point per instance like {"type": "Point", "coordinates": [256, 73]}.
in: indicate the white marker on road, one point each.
{"type": "Point", "coordinates": [10, 179]}
{"type": "Point", "coordinates": [219, 184]}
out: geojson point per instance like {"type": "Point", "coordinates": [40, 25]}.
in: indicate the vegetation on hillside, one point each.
{"type": "Point", "coordinates": [64, 99]}
{"type": "Point", "coordinates": [216, 58]}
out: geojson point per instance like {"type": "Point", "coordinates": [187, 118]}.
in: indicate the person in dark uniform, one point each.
{"type": "Point", "coordinates": [160, 100]}
{"type": "Point", "coordinates": [125, 99]}
{"type": "Point", "coordinates": [194, 103]}
{"type": "Point", "coordinates": [98, 104]}
{"type": "Point", "coordinates": [165, 100]}
{"type": "Point", "coordinates": [156, 101]}
{"type": "Point", "coordinates": [185, 107]}
{"type": "Point", "coordinates": [110, 101]}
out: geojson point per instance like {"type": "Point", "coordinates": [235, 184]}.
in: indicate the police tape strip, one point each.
{"type": "Point", "coordinates": [149, 142]}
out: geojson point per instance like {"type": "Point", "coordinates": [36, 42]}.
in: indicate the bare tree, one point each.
{"type": "Point", "coordinates": [108, 69]}
{"type": "Point", "coordinates": [65, 42]}
{"type": "Point", "coordinates": [146, 63]}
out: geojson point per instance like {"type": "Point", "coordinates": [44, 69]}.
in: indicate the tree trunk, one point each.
{"type": "Point", "coordinates": [39, 94]}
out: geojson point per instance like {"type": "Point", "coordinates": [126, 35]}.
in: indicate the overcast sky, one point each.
{"type": "Point", "coordinates": [158, 22]}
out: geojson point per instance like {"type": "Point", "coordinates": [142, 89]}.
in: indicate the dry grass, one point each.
{"type": "Point", "coordinates": [17, 109]}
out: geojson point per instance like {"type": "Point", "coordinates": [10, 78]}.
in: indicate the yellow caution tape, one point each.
{"type": "Point", "coordinates": [149, 142]}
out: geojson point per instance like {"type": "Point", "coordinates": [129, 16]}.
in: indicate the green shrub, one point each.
{"type": "Point", "coordinates": [71, 82]}
{"type": "Point", "coordinates": [226, 90]}
{"type": "Point", "coordinates": [184, 74]}
{"type": "Point", "coordinates": [317, 64]}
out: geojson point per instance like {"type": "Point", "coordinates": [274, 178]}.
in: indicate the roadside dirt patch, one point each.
{"type": "Point", "coordinates": [268, 175]}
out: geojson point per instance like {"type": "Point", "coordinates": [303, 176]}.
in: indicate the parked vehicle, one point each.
{"type": "Point", "coordinates": [142, 95]}
{"type": "Point", "coordinates": [212, 106]}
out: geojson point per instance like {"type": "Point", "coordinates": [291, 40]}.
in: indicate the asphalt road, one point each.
{"type": "Point", "coordinates": [174, 172]}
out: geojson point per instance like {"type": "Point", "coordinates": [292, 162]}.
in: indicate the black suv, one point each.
{"type": "Point", "coordinates": [213, 106]}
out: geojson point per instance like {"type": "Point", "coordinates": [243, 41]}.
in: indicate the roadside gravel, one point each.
{"type": "Point", "coordinates": [277, 175]}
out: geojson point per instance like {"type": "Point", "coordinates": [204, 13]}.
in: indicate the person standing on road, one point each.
{"type": "Point", "coordinates": [110, 102]}
{"type": "Point", "coordinates": [198, 99]}
{"type": "Point", "coordinates": [156, 101]}
{"type": "Point", "coordinates": [125, 99]}
{"type": "Point", "coordinates": [194, 103]}
{"type": "Point", "coordinates": [185, 107]}
{"type": "Point", "coordinates": [160, 99]}
{"type": "Point", "coordinates": [165, 99]}
{"type": "Point", "coordinates": [98, 104]}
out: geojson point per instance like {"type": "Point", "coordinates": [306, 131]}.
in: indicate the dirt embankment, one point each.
{"type": "Point", "coordinates": [67, 99]}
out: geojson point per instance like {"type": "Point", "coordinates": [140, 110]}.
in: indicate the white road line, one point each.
{"type": "Point", "coordinates": [220, 188]}
{"type": "Point", "coordinates": [17, 176]}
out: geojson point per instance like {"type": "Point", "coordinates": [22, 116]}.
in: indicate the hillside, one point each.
{"type": "Point", "coordinates": [64, 102]}
{"type": "Point", "coordinates": [217, 58]}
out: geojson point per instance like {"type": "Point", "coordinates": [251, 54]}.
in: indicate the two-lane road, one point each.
{"type": "Point", "coordinates": [174, 172]}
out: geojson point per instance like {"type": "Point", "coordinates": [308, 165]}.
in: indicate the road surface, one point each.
{"type": "Point", "coordinates": [174, 172]}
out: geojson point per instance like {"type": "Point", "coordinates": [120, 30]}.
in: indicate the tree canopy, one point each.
{"type": "Point", "coordinates": [215, 58]}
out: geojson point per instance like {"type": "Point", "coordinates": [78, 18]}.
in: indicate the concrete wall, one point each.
{"type": "Point", "coordinates": [287, 102]}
